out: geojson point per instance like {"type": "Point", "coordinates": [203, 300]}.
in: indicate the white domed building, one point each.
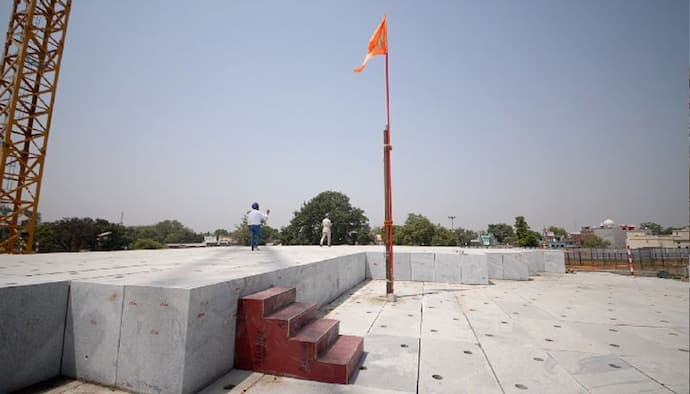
{"type": "Point", "coordinates": [610, 232]}
{"type": "Point", "coordinates": [608, 223]}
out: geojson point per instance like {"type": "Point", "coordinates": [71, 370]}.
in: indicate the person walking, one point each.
{"type": "Point", "coordinates": [326, 229]}
{"type": "Point", "coordinates": [254, 220]}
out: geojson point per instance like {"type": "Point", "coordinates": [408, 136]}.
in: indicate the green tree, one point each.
{"type": "Point", "coordinates": [221, 232]}
{"type": "Point", "coordinates": [656, 229]}
{"type": "Point", "coordinates": [113, 236]}
{"type": "Point", "coordinates": [397, 231]}
{"type": "Point", "coordinates": [559, 232]}
{"type": "Point", "coordinates": [457, 237]}
{"type": "Point", "coordinates": [241, 233]}
{"type": "Point", "coordinates": [417, 230]}
{"type": "Point", "coordinates": [465, 236]}
{"type": "Point", "coordinates": [44, 238]}
{"type": "Point", "coordinates": [595, 242]}
{"type": "Point", "coordinates": [525, 237]}
{"type": "Point", "coordinates": [350, 225]}
{"type": "Point", "coordinates": [172, 231]}
{"type": "Point", "coordinates": [75, 234]}
{"type": "Point", "coordinates": [270, 234]}
{"type": "Point", "coordinates": [168, 232]}
{"type": "Point", "coordinates": [502, 232]}
{"type": "Point", "coordinates": [147, 243]}
{"type": "Point", "coordinates": [444, 237]}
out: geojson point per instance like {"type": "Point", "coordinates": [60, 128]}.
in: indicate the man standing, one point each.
{"type": "Point", "coordinates": [254, 219]}
{"type": "Point", "coordinates": [326, 229]}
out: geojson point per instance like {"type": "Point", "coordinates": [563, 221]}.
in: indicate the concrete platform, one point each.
{"type": "Point", "coordinates": [581, 333]}
{"type": "Point", "coordinates": [551, 334]}
{"type": "Point", "coordinates": [163, 321]}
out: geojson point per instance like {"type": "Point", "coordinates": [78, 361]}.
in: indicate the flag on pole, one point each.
{"type": "Point", "coordinates": [378, 44]}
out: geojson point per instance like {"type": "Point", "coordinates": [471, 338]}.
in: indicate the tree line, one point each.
{"type": "Point", "coordinates": [350, 227]}
{"type": "Point", "coordinates": [83, 234]}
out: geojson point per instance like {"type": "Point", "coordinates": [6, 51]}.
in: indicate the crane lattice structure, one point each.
{"type": "Point", "coordinates": [28, 82]}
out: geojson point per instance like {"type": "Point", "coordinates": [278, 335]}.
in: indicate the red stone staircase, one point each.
{"type": "Point", "coordinates": [279, 336]}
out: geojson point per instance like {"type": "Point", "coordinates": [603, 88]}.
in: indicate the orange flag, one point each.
{"type": "Point", "coordinates": [378, 44]}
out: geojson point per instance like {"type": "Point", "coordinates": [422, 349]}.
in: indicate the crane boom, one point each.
{"type": "Point", "coordinates": [28, 82]}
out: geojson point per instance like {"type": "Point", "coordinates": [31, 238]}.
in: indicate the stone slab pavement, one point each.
{"type": "Point", "coordinates": [551, 334]}
{"type": "Point", "coordinates": [566, 333]}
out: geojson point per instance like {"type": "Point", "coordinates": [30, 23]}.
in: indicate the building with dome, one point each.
{"type": "Point", "coordinates": [609, 231]}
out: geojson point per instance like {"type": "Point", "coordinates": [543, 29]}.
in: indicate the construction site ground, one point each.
{"type": "Point", "coordinates": [587, 332]}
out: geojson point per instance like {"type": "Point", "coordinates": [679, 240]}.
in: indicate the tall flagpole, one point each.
{"type": "Point", "coordinates": [388, 222]}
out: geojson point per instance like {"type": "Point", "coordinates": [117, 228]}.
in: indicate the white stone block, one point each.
{"type": "Point", "coordinates": [473, 269]}
{"type": "Point", "coordinates": [422, 267]}
{"type": "Point", "coordinates": [530, 257]}
{"type": "Point", "coordinates": [447, 268]}
{"type": "Point", "coordinates": [210, 343]}
{"type": "Point", "coordinates": [554, 261]}
{"type": "Point", "coordinates": [152, 340]}
{"type": "Point", "coordinates": [32, 322]}
{"type": "Point", "coordinates": [376, 265]}
{"type": "Point", "coordinates": [514, 268]}
{"type": "Point", "coordinates": [494, 263]}
{"type": "Point", "coordinates": [92, 334]}
{"type": "Point", "coordinates": [401, 266]}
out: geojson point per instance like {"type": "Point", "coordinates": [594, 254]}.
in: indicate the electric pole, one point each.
{"type": "Point", "coordinates": [457, 238]}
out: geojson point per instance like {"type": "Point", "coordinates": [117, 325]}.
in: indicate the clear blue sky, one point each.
{"type": "Point", "coordinates": [566, 112]}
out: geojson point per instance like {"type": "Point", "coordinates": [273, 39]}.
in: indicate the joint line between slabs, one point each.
{"type": "Point", "coordinates": [119, 337]}
{"type": "Point", "coordinates": [647, 375]}
{"type": "Point", "coordinates": [419, 340]}
{"type": "Point", "coordinates": [481, 347]}
{"type": "Point", "coordinates": [376, 317]}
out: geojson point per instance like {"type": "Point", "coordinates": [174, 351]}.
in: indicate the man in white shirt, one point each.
{"type": "Point", "coordinates": [254, 220]}
{"type": "Point", "coordinates": [326, 229]}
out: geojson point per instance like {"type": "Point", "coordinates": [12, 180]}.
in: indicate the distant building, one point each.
{"type": "Point", "coordinates": [485, 240]}
{"type": "Point", "coordinates": [222, 240]}
{"type": "Point", "coordinates": [643, 239]}
{"type": "Point", "coordinates": [615, 235]}
{"type": "Point", "coordinates": [574, 239]}
{"type": "Point", "coordinates": [607, 230]}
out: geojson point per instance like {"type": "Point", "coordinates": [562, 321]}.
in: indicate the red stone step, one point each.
{"type": "Point", "coordinates": [344, 356]}
{"type": "Point", "coordinates": [272, 299]}
{"type": "Point", "coordinates": [276, 335]}
{"type": "Point", "coordinates": [293, 317]}
{"type": "Point", "coordinates": [317, 336]}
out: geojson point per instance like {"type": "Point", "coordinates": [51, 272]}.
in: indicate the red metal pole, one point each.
{"type": "Point", "coordinates": [630, 261]}
{"type": "Point", "coordinates": [388, 222]}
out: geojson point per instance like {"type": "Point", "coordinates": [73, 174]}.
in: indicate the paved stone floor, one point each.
{"type": "Point", "coordinates": [184, 268]}
{"type": "Point", "coordinates": [584, 333]}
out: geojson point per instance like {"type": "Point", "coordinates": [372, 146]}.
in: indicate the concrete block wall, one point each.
{"type": "Point", "coordinates": [520, 265]}
{"type": "Point", "coordinates": [376, 265]}
{"type": "Point", "coordinates": [92, 332]}
{"type": "Point", "coordinates": [468, 267]}
{"type": "Point", "coordinates": [422, 267]}
{"type": "Point", "coordinates": [554, 261]}
{"type": "Point", "coordinates": [514, 267]}
{"type": "Point", "coordinates": [32, 326]}
{"type": "Point", "coordinates": [447, 268]}
{"type": "Point", "coordinates": [494, 262]}
{"type": "Point", "coordinates": [178, 340]}
{"type": "Point", "coordinates": [474, 269]}
{"type": "Point", "coordinates": [155, 339]}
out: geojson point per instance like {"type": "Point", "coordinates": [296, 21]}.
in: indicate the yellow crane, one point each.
{"type": "Point", "coordinates": [28, 82]}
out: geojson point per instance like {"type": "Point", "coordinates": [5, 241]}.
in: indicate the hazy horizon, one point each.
{"type": "Point", "coordinates": [566, 113]}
